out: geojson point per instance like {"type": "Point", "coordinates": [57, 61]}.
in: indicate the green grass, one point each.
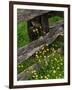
{"type": "Point", "coordinates": [54, 19]}
{"type": "Point", "coordinates": [22, 34]}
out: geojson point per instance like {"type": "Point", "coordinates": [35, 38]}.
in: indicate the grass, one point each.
{"type": "Point", "coordinates": [50, 60]}
{"type": "Point", "coordinates": [54, 19]}
{"type": "Point", "coordinates": [22, 34]}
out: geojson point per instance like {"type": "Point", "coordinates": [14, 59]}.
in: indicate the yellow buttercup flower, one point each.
{"type": "Point", "coordinates": [34, 73]}
{"type": "Point", "coordinates": [33, 30]}
{"type": "Point", "coordinates": [41, 76]}
{"type": "Point", "coordinates": [46, 77]}
{"type": "Point", "coordinates": [33, 76]}
{"type": "Point", "coordinates": [47, 49]}
{"type": "Point", "coordinates": [37, 56]}
{"type": "Point", "coordinates": [58, 67]}
{"type": "Point", "coordinates": [46, 44]}
{"type": "Point", "coordinates": [36, 76]}
{"type": "Point", "coordinates": [22, 66]}
{"type": "Point", "coordinates": [44, 56]}
{"type": "Point", "coordinates": [36, 29]}
{"type": "Point", "coordinates": [47, 56]}
{"type": "Point", "coordinates": [61, 63]}
{"type": "Point", "coordinates": [36, 52]}
{"type": "Point", "coordinates": [54, 71]}
{"type": "Point", "coordinates": [56, 59]}
{"type": "Point", "coordinates": [42, 48]}
{"type": "Point", "coordinates": [59, 74]}
{"type": "Point", "coordinates": [40, 26]}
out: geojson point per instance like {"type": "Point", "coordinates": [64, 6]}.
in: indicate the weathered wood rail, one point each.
{"type": "Point", "coordinates": [26, 14]}
{"type": "Point", "coordinates": [28, 50]}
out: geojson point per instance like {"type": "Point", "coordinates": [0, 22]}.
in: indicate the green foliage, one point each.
{"type": "Point", "coordinates": [22, 34]}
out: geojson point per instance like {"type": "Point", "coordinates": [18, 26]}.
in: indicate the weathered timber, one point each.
{"type": "Point", "coordinates": [24, 75]}
{"type": "Point", "coordinates": [45, 23]}
{"type": "Point", "coordinates": [26, 14]}
{"type": "Point", "coordinates": [25, 52]}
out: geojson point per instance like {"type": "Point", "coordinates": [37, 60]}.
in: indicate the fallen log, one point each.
{"type": "Point", "coordinates": [28, 50]}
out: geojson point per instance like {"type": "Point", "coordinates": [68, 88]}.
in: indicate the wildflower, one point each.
{"type": "Point", "coordinates": [36, 52]}
{"type": "Point", "coordinates": [42, 48]}
{"type": "Point", "coordinates": [44, 56]}
{"type": "Point", "coordinates": [54, 71]}
{"type": "Point", "coordinates": [33, 76]}
{"type": "Point", "coordinates": [58, 67]}
{"type": "Point", "coordinates": [47, 49]}
{"type": "Point", "coordinates": [36, 29]}
{"type": "Point", "coordinates": [46, 77]}
{"type": "Point", "coordinates": [36, 76]}
{"type": "Point", "coordinates": [33, 71]}
{"type": "Point", "coordinates": [33, 30]}
{"type": "Point", "coordinates": [22, 66]}
{"type": "Point", "coordinates": [37, 56]}
{"type": "Point", "coordinates": [41, 76]}
{"type": "Point", "coordinates": [52, 67]}
{"type": "Point", "coordinates": [40, 26]}
{"type": "Point", "coordinates": [56, 77]}
{"type": "Point", "coordinates": [61, 63]}
{"type": "Point", "coordinates": [56, 59]}
{"type": "Point", "coordinates": [47, 56]}
{"type": "Point", "coordinates": [46, 44]}
{"type": "Point", "coordinates": [59, 74]}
